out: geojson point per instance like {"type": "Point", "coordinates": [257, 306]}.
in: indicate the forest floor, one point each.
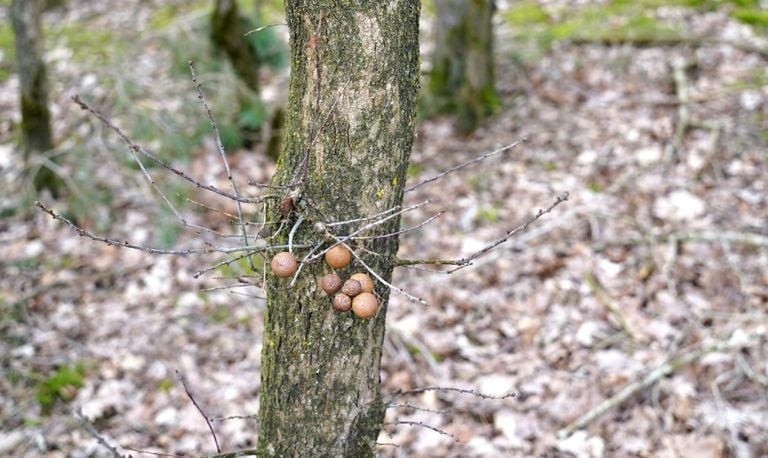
{"type": "Point", "coordinates": [647, 289]}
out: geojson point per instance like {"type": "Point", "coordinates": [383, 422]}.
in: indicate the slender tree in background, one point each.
{"type": "Point", "coordinates": [348, 136]}
{"type": "Point", "coordinates": [36, 137]}
{"type": "Point", "coordinates": [228, 29]}
{"type": "Point", "coordinates": [462, 78]}
{"type": "Point", "coordinates": [247, 50]}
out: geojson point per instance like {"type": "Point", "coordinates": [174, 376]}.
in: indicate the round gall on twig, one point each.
{"type": "Point", "coordinates": [338, 257]}
{"type": "Point", "coordinates": [284, 264]}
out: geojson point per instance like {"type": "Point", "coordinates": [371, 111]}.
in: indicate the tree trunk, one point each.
{"type": "Point", "coordinates": [228, 31]}
{"type": "Point", "coordinates": [36, 137]}
{"type": "Point", "coordinates": [348, 135]}
{"type": "Point", "coordinates": [462, 78]}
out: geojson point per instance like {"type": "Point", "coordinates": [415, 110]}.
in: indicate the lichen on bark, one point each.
{"type": "Point", "coordinates": [348, 135]}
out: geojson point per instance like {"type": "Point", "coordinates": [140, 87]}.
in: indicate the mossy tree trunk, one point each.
{"type": "Point", "coordinates": [228, 28]}
{"type": "Point", "coordinates": [36, 136]}
{"type": "Point", "coordinates": [348, 135]}
{"type": "Point", "coordinates": [461, 81]}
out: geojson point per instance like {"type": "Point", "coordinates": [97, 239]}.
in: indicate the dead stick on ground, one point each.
{"type": "Point", "coordinates": [652, 377]}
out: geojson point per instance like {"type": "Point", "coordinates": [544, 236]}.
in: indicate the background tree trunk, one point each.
{"type": "Point", "coordinates": [228, 28]}
{"type": "Point", "coordinates": [348, 135]}
{"type": "Point", "coordinates": [462, 78]}
{"type": "Point", "coordinates": [36, 137]}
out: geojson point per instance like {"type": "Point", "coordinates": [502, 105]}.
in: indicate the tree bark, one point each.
{"type": "Point", "coordinates": [348, 135]}
{"type": "Point", "coordinates": [36, 136]}
{"type": "Point", "coordinates": [462, 78]}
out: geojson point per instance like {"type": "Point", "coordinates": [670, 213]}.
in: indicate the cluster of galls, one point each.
{"type": "Point", "coordinates": [356, 293]}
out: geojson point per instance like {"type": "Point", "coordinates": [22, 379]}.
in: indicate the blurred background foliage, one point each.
{"type": "Point", "coordinates": [174, 125]}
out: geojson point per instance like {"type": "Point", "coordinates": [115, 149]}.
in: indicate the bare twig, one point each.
{"type": "Point", "coordinates": [463, 165]}
{"type": "Point", "coordinates": [343, 239]}
{"type": "Point", "coordinates": [235, 454]}
{"type": "Point", "coordinates": [235, 417]}
{"type": "Point", "coordinates": [225, 262]}
{"type": "Point", "coordinates": [423, 425]}
{"type": "Point", "coordinates": [435, 262]}
{"type": "Point", "coordinates": [365, 218]}
{"type": "Point", "coordinates": [407, 405]}
{"type": "Point", "coordinates": [468, 260]}
{"type": "Point", "coordinates": [147, 452]}
{"type": "Point", "coordinates": [222, 152]}
{"type": "Point", "coordinates": [199, 409]}
{"type": "Point", "coordinates": [259, 29]}
{"type": "Point", "coordinates": [125, 244]}
{"type": "Point", "coordinates": [478, 394]}
{"type": "Point", "coordinates": [293, 232]}
{"type": "Point", "coordinates": [88, 426]}
{"type": "Point", "coordinates": [138, 149]}
{"type": "Point", "coordinates": [236, 285]}
{"type": "Point", "coordinates": [401, 231]}
{"type": "Point", "coordinates": [388, 444]}
{"type": "Point", "coordinates": [379, 277]}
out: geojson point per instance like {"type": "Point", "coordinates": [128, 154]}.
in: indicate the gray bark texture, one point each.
{"type": "Point", "coordinates": [36, 137]}
{"type": "Point", "coordinates": [462, 78]}
{"type": "Point", "coordinates": [348, 136]}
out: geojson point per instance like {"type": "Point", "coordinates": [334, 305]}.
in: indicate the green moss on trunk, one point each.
{"type": "Point", "coordinates": [348, 135]}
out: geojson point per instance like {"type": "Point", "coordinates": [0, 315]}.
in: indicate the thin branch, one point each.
{"type": "Point", "coordinates": [270, 186]}
{"type": "Point", "coordinates": [253, 296]}
{"type": "Point", "coordinates": [456, 390]}
{"type": "Point", "coordinates": [435, 262]}
{"type": "Point", "coordinates": [378, 277]}
{"type": "Point", "coordinates": [345, 238]}
{"type": "Point", "coordinates": [136, 148]}
{"type": "Point", "coordinates": [407, 405]}
{"type": "Point", "coordinates": [222, 152]}
{"type": "Point", "coordinates": [236, 285]}
{"type": "Point", "coordinates": [464, 262]}
{"type": "Point", "coordinates": [147, 452]}
{"type": "Point", "coordinates": [423, 425]}
{"type": "Point", "coordinates": [259, 29]}
{"type": "Point", "coordinates": [88, 427]}
{"type": "Point", "coordinates": [225, 262]}
{"type": "Point", "coordinates": [303, 262]}
{"type": "Point", "coordinates": [402, 231]}
{"type": "Point", "coordinates": [365, 218]}
{"type": "Point", "coordinates": [464, 164]}
{"type": "Point", "coordinates": [235, 454]}
{"type": "Point", "coordinates": [388, 444]}
{"type": "Point", "coordinates": [293, 232]}
{"type": "Point", "coordinates": [235, 417]}
{"type": "Point", "coordinates": [125, 244]}
{"type": "Point", "coordinates": [199, 409]}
